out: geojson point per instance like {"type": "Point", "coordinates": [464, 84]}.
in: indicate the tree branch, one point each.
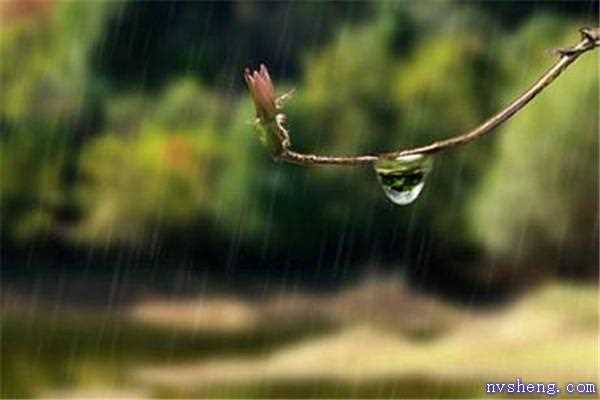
{"type": "Point", "coordinates": [271, 121]}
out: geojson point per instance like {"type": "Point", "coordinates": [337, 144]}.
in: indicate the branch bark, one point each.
{"type": "Point", "coordinates": [271, 121]}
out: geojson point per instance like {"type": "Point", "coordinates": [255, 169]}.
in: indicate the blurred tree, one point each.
{"type": "Point", "coordinates": [538, 204]}
{"type": "Point", "coordinates": [45, 66]}
{"type": "Point", "coordinates": [121, 125]}
{"type": "Point", "coordinates": [158, 177]}
{"type": "Point", "coordinates": [45, 106]}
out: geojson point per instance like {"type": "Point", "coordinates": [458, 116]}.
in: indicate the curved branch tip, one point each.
{"type": "Point", "coordinates": [272, 120]}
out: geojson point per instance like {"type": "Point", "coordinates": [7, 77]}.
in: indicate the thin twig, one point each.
{"type": "Point", "coordinates": [272, 120]}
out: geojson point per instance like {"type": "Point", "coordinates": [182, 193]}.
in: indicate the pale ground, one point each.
{"type": "Point", "coordinates": [378, 339]}
{"type": "Point", "coordinates": [388, 332]}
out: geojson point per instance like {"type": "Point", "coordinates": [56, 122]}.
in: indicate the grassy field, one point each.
{"type": "Point", "coordinates": [377, 340]}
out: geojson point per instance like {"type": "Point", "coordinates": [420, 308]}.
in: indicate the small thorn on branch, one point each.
{"type": "Point", "coordinates": [284, 98]}
{"type": "Point", "coordinates": [591, 34]}
{"type": "Point", "coordinates": [590, 38]}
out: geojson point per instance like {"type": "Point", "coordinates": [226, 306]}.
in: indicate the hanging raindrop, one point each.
{"type": "Point", "coordinates": [402, 178]}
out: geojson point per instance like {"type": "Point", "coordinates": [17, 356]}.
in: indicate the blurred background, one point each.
{"type": "Point", "coordinates": [151, 248]}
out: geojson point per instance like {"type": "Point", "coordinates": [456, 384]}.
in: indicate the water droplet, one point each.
{"type": "Point", "coordinates": [402, 178]}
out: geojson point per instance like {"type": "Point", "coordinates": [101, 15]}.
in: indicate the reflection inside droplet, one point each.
{"type": "Point", "coordinates": [402, 178]}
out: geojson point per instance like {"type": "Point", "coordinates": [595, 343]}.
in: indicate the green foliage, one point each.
{"type": "Point", "coordinates": [440, 92]}
{"type": "Point", "coordinates": [541, 191]}
{"type": "Point", "coordinates": [441, 75]}
{"type": "Point", "coordinates": [44, 69]}
{"type": "Point", "coordinates": [345, 99]}
{"type": "Point", "coordinates": [186, 105]}
{"type": "Point", "coordinates": [86, 159]}
{"type": "Point", "coordinates": [30, 181]}
{"type": "Point", "coordinates": [158, 171]}
{"type": "Point", "coordinates": [133, 187]}
{"type": "Point", "coordinates": [45, 91]}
